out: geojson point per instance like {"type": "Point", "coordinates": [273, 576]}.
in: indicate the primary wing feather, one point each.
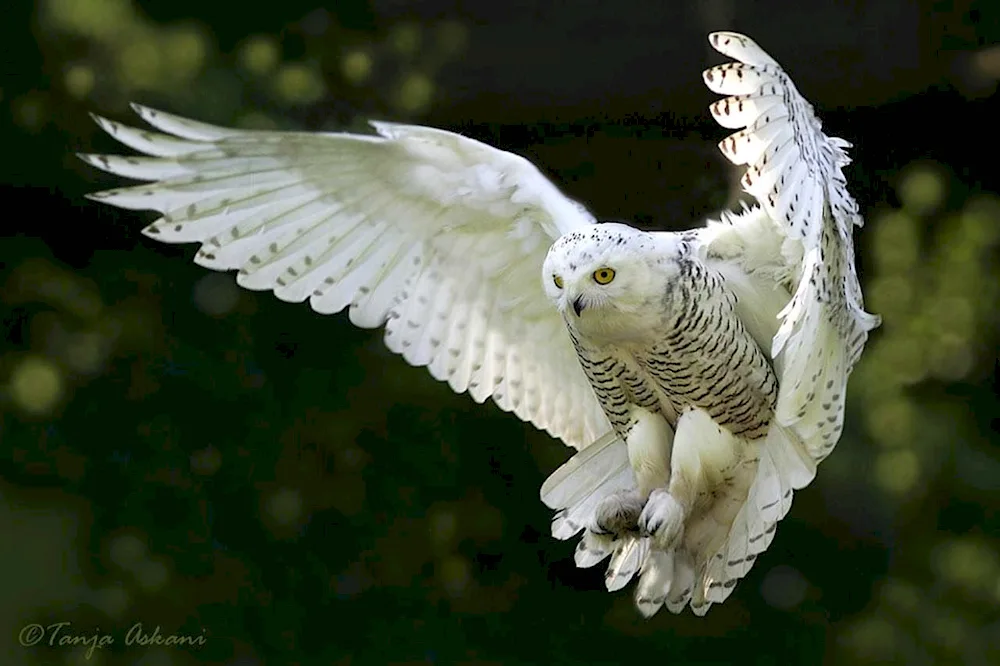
{"type": "Point", "coordinates": [437, 236]}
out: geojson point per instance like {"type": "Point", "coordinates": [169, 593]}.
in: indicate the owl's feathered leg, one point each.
{"type": "Point", "coordinates": [672, 502]}
{"type": "Point", "coordinates": [648, 441]}
{"type": "Point", "coordinates": [711, 472]}
{"type": "Point", "coordinates": [614, 527]}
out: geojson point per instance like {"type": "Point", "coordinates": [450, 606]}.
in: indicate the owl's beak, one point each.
{"type": "Point", "coordinates": [578, 305]}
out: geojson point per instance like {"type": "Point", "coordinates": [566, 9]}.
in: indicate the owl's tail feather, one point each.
{"type": "Point", "coordinates": [575, 489]}
{"type": "Point", "coordinates": [784, 466]}
{"type": "Point", "coordinates": [667, 579]}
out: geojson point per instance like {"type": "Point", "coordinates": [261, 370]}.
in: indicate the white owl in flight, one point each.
{"type": "Point", "coordinates": [701, 375]}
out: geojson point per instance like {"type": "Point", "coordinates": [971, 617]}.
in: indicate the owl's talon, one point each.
{"type": "Point", "coordinates": [662, 519]}
{"type": "Point", "coordinates": [617, 514]}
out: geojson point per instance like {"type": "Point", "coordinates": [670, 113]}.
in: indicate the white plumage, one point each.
{"type": "Point", "coordinates": [701, 375]}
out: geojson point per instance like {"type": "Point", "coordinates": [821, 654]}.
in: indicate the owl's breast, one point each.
{"type": "Point", "coordinates": [705, 357]}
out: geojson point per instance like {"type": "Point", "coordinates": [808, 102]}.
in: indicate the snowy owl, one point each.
{"type": "Point", "coordinates": [700, 375]}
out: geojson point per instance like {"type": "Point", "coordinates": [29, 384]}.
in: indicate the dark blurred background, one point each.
{"type": "Point", "coordinates": [181, 453]}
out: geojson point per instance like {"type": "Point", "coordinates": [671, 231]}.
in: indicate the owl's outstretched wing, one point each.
{"type": "Point", "coordinates": [803, 241]}
{"type": "Point", "coordinates": [438, 237]}
{"type": "Point", "coordinates": [790, 261]}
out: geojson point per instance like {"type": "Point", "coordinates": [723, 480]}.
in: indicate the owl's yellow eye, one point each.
{"type": "Point", "coordinates": [604, 275]}
{"type": "Point", "coordinates": [557, 281]}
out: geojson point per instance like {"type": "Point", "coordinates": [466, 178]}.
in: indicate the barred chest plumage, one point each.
{"type": "Point", "coordinates": [700, 355]}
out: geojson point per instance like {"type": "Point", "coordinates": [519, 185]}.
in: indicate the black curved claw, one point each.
{"type": "Point", "coordinates": [647, 529]}
{"type": "Point", "coordinates": [598, 530]}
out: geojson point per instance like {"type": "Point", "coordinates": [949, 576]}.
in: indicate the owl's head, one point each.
{"type": "Point", "coordinates": [608, 280]}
